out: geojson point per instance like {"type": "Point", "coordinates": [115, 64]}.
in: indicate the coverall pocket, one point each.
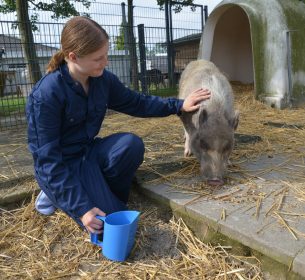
{"type": "Point", "coordinates": [75, 117]}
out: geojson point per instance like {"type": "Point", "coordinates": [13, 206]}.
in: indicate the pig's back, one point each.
{"type": "Point", "coordinates": [204, 74]}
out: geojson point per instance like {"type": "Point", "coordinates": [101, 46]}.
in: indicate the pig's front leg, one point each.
{"type": "Point", "coordinates": [187, 146]}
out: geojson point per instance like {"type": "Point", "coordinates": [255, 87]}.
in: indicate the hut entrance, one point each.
{"type": "Point", "coordinates": [232, 48]}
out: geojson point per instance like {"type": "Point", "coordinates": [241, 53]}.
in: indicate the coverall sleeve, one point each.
{"type": "Point", "coordinates": [133, 103]}
{"type": "Point", "coordinates": [45, 118]}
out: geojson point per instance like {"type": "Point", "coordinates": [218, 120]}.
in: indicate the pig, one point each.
{"type": "Point", "coordinates": [209, 131]}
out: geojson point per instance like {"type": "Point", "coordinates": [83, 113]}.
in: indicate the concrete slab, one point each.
{"type": "Point", "coordinates": [239, 223]}
{"type": "Point", "coordinates": [299, 263]}
{"type": "Point", "coordinates": [17, 192]}
{"type": "Point", "coordinates": [263, 235]}
{"type": "Point", "coordinates": [170, 194]}
{"type": "Point", "coordinates": [277, 167]}
{"type": "Point", "coordinates": [15, 161]}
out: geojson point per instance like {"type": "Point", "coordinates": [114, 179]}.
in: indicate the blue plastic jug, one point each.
{"type": "Point", "coordinates": [119, 234]}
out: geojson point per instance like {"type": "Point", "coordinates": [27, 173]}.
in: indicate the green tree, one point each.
{"type": "Point", "coordinates": [119, 40]}
{"type": "Point", "coordinates": [27, 24]}
{"type": "Point", "coordinates": [176, 7]}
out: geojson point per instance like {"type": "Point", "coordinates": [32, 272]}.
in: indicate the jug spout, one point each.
{"type": "Point", "coordinates": [135, 215]}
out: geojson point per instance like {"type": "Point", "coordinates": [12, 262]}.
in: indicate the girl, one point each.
{"type": "Point", "coordinates": [79, 173]}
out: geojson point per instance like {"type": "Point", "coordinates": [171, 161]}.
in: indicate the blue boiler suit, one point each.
{"type": "Point", "coordinates": [74, 168]}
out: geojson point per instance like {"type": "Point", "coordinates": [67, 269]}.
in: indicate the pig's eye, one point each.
{"type": "Point", "coordinates": [204, 145]}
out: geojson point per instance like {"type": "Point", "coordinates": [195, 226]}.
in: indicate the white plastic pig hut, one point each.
{"type": "Point", "coordinates": [260, 42]}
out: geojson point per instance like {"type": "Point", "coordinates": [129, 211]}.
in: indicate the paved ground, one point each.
{"type": "Point", "coordinates": [264, 216]}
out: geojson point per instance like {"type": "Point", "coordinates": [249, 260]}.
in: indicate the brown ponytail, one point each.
{"type": "Point", "coordinates": [80, 35]}
{"type": "Point", "coordinates": [57, 59]}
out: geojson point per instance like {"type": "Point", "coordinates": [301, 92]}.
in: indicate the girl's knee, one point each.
{"type": "Point", "coordinates": [122, 154]}
{"type": "Point", "coordinates": [137, 144]}
{"type": "Point", "coordinates": [140, 143]}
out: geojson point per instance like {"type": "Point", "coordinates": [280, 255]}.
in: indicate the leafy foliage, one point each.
{"type": "Point", "coordinates": [26, 21]}
{"type": "Point", "coordinates": [9, 6]}
{"type": "Point", "coordinates": [177, 7]}
{"type": "Point", "coordinates": [59, 8]}
{"type": "Point", "coordinates": [119, 40]}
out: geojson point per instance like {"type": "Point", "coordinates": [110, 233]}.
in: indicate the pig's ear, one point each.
{"type": "Point", "coordinates": [203, 116]}
{"type": "Point", "coordinates": [187, 119]}
{"type": "Point", "coordinates": [235, 120]}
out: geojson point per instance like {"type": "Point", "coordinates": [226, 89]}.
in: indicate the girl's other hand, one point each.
{"type": "Point", "coordinates": [91, 223]}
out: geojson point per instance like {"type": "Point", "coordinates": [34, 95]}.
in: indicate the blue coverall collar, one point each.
{"type": "Point", "coordinates": [64, 71]}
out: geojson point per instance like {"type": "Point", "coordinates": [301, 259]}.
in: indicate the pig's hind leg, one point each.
{"type": "Point", "coordinates": [187, 146]}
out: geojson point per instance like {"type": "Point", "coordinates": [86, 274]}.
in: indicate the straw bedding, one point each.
{"type": "Point", "coordinates": [271, 132]}
{"type": "Point", "coordinates": [37, 247]}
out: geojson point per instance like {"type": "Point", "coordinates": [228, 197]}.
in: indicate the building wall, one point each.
{"type": "Point", "coordinates": [17, 80]}
{"type": "Point", "coordinates": [185, 53]}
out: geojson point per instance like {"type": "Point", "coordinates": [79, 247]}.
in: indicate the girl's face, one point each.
{"type": "Point", "coordinates": [92, 64]}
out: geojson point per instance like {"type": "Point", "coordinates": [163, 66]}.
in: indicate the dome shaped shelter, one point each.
{"type": "Point", "coordinates": [260, 42]}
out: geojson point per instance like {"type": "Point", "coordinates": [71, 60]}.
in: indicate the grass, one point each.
{"type": "Point", "coordinates": [165, 92]}
{"type": "Point", "coordinates": [10, 104]}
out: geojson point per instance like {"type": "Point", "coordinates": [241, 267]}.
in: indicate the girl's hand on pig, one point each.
{"type": "Point", "coordinates": [192, 101]}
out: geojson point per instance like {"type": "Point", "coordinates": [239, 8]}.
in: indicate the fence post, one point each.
{"type": "Point", "coordinates": [169, 44]}
{"type": "Point", "coordinates": [124, 23]}
{"type": "Point", "coordinates": [206, 13]}
{"type": "Point", "coordinates": [142, 58]}
{"type": "Point", "coordinates": [126, 45]}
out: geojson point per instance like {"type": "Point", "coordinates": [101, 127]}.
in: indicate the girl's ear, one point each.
{"type": "Point", "coordinates": [72, 56]}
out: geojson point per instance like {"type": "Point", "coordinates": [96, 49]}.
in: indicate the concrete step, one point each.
{"type": "Point", "coordinates": [248, 227]}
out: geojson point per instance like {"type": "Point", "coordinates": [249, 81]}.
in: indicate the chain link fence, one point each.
{"type": "Point", "coordinates": [152, 51]}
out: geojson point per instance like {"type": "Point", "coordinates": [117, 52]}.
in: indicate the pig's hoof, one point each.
{"type": "Point", "coordinates": [216, 182]}
{"type": "Point", "coordinates": [187, 153]}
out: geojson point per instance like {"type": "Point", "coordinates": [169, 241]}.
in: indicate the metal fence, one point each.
{"type": "Point", "coordinates": [160, 58]}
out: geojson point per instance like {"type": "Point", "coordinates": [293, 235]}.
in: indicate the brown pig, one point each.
{"type": "Point", "coordinates": [209, 131]}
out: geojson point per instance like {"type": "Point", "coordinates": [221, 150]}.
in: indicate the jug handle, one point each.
{"type": "Point", "coordinates": [94, 236]}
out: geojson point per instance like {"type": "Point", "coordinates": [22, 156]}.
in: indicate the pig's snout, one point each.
{"type": "Point", "coordinates": [212, 169]}
{"type": "Point", "coordinates": [215, 182]}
